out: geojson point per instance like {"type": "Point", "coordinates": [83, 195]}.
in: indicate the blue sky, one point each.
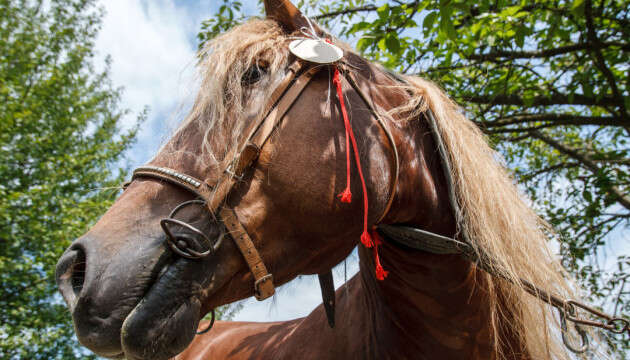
{"type": "Point", "coordinates": [152, 47]}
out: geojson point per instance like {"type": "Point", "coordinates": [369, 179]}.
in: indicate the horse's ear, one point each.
{"type": "Point", "coordinates": [286, 14]}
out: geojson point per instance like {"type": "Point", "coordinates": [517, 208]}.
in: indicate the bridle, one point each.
{"type": "Point", "coordinates": [212, 194]}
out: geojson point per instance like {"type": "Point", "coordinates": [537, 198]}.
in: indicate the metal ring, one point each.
{"type": "Point", "coordinates": [565, 331]}
{"type": "Point", "coordinates": [209, 325]}
{"type": "Point", "coordinates": [219, 240]}
{"type": "Point", "coordinates": [618, 325]}
{"type": "Point", "coordinates": [188, 252]}
{"type": "Point", "coordinates": [186, 203]}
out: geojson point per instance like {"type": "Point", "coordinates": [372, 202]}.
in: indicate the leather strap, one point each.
{"type": "Point", "coordinates": [263, 280]}
{"type": "Point", "coordinates": [327, 286]}
{"type": "Point", "coordinates": [260, 133]}
{"type": "Point", "coordinates": [419, 239]}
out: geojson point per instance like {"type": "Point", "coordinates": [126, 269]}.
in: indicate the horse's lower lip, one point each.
{"type": "Point", "coordinates": [99, 310]}
{"type": "Point", "coordinates": [165, 319]}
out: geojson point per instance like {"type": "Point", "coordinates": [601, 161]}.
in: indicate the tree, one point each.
{"type": "Point", "coordinates": [60, 145]}
{"type": "Point", "coordinates": [546, 80]}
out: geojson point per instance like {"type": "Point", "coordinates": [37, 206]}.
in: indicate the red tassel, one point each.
{"type": "Point", "coordinates": [381, 273]}
{"type": "Point", "coordinates": [366, 240]}
{"type": "Point", "coordinates": [345, 196]}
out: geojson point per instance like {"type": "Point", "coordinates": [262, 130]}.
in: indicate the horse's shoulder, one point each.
{"type": "Point", "coordinates": [236, 340]}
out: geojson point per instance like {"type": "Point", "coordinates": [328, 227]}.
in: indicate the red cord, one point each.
{"type": "Point", "coordinates": [346, 195]}
{"type": "Point", "coordinates": [381, 273]}
{"type": "Point", "coordinates": [368, 239]}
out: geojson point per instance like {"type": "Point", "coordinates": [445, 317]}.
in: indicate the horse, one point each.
{"type": "Point", "coordinates": [222, 213]}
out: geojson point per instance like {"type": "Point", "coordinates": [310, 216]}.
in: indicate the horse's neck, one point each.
{"type": "Point", "coordinates": [433, 306]}
{"type": "Point", "coordinates": [429, 305]}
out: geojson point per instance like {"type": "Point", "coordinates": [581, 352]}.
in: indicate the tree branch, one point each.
{"type": "Point", "coordinates": [346, 11]}
{"type": "Point", "coordinates": [622, 198]}
{"type": "Point", "coordinates": [599, 58]}
{"type": "Point", "coordinates": [599, 224]}
{"type": "Point", "coordinates": [512, 55]}
{"type": "Point", "coordinates": [552, 120]}
{"type": "Point", "coordinates": [555, 99]}
{"type": "Point", "coordinates": [531, 175]}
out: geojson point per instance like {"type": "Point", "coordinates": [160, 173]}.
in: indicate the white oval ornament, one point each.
{"type": "Point", "coordinates": [317, 51]}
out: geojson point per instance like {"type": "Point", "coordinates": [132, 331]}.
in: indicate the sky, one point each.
{"type": "Point", "coordinates": [152, 47]}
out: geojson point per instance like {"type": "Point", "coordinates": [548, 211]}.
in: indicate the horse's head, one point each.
{"type": "Point", "coordinates": [130, 291]}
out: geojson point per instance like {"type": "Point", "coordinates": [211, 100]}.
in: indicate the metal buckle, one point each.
{"type": "Point", "coordinates": [230, 172]}
{"type": "Point", "coordinates": [263, 281]}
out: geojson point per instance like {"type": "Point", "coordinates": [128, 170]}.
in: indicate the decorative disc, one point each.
{"type": "Point", "coordinates": [317, 51]}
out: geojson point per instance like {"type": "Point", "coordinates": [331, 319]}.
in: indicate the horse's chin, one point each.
{"type": "Point", "coordinates": [165, 320]}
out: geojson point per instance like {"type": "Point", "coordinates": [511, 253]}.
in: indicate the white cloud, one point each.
{"type": "Point", "coordinates": [152, 47]}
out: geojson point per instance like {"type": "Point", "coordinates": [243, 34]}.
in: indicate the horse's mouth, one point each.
{"type": "Point", "coordinates": [157, 322]}
{"type": "Point", "coordinates": [165, 319]}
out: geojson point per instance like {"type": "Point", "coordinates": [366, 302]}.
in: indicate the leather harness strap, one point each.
{"type": "Point", "coordinates": [263, 280]}
{"type": "Point", "coordinates": [261, 132]}
{"type": "Point", "coordinates": [214, 194]}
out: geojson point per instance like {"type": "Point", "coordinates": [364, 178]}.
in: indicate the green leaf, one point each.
{"type": "Point", "coordinates": [383, 11]}
{"type": "Point", "coordinates": [429, 21]}
{"type": "Point", "coordinates": [392, 43]}
{"type": "Point", "coordinates": [576, 4]}
{"type": "Point", "coordinates": [382, 44]}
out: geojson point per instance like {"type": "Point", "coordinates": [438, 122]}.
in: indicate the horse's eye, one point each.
{"type": "Point", "coordinates": [253, 74]}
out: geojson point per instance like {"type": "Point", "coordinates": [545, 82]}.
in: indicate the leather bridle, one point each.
{"type": "Point", "coordinates": [212, 194]}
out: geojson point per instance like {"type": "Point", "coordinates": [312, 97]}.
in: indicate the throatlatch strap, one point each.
{"type": "Point", "coordinates": [263, 280]}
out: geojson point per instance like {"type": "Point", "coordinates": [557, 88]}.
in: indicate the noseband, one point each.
{"type": "Point", "coordinates": [212, 195]}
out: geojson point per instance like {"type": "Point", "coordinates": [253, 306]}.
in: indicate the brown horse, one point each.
{"type": "Point", "coordinates": [131, 296]}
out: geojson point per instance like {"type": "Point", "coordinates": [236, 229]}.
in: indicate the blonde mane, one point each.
{"type": "Point", "coordinates": [219, 109]}
{"type": "Point", "coordinates": [501, 227]}
{"type": "Point", "coordinates": [496, 216]}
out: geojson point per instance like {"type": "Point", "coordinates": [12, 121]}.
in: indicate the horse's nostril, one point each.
{"type": "Point", "coordinates": [70, 274]}
{"type": "Point", "coordinates": [78, 272]}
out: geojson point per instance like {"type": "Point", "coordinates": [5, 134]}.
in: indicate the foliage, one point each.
{"type": "Point", "coordinates": [229, 13]}
{"type": "Point", "coordinates": [546, 80]}
{"type": "Point", "coordinates": [60, 143]}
